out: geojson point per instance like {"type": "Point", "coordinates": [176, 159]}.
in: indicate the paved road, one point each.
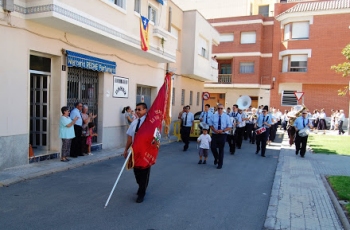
{"type": "Point", "coordinates": [181, 194]}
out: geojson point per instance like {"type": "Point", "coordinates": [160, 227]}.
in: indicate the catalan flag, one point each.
{"type": "Point", "coordinates": [144, 33]}
{"type": "Point", "coordinates": [146, 143]}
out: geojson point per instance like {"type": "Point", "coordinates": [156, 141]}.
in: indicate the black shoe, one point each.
{"type": "Point", "coordinates": [253, 143]}
{"type": "Point", "coordinates": [200, 162]}
{"type": "Point", "coordinates": [204, 162]}
{"type": "Point", "coordinates": [215, 162]}
{"type": "Point", "coordinates": [296, 152]}
{"type": "Point", "coordinates": [257, 151]}
{"type": "Point", "coordinates": [232, 153]}
{"type": "Point", "coordinates": [139, 199]}
{"type": "Point", "coordinates": [263, 155]}
{"type": "Point", "coordinates": [239, 147]}
{"type": "Point", "coordinates": [302, 156]}
{"type": "Point", "coordinates": [219, 167]}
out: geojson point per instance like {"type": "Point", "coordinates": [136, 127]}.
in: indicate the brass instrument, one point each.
{"type": "Point", "coordinates": [234, 122]}
{"type": "Point", "coordinates": [298, 109]}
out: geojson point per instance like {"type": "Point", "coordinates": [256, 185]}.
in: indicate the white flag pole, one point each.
{"type": "Point", "coordinates": [116, 182]}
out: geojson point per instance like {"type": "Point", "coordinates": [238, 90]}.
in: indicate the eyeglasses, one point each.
{"type": "Point", "coordinates": [264, 111]}
{"type": "Point", "coordinates": [138, 109]}
{"type": "Point", "coordinates": [220, 108]}
{"type": "Point", "coordinates": [304, 113]}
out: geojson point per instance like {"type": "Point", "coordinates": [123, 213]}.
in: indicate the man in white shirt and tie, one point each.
{"type": "Point", "coordinates": [187, 122]}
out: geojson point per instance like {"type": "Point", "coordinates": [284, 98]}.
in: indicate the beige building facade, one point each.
{"type": "Point", "coordinates": [58, 52]}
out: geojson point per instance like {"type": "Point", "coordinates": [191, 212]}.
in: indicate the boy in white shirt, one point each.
{"type": "Point", "coordinates": [204, 139]}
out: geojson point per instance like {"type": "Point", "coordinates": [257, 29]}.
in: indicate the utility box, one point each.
{"type": "Point", "coordinates": [8, 5]}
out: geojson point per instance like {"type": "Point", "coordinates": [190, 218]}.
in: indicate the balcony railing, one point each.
{"type": "Point", "coordinates": [225, 79]}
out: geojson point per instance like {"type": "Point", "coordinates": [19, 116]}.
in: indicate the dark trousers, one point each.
{"type": "Point", "coordinates": [261, 141]}
{"type": "Point", "coordinates": [142, 179]}
{"type": "Point", "coordinates": [250, 132]}
{"type": "Point", "coordinates": [185, 136]}
{"type": "Point", "coordinates": [239, 132]}
{"type": "Point", "coordinates": [284, 125]}
{"type": "Point", "coordinates": [75, 149]}
{"type": "Point", "coordinates": [231, 140]}
{"type": "Point", "coordinates": [273, 131]}
{"type": "Point", "coordinates": [218, 142]}
{"type": "Point", "coordinates": [300, 144]}
{"type": "Point", "coordinates": [340, 127]}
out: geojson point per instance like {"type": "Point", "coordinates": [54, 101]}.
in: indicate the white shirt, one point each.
{"type": "Point", "coordinates": [132, 127]}
{"type": "Point", "coordinates": [204, 141]}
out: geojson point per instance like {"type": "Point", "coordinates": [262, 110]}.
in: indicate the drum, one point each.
{"type": "Point", "coordinates": [304, 132]}
{"type": "Point", "coordinates": [260, 130]}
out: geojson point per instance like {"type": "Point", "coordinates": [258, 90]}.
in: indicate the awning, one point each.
{"type": "Point", "coordinates": [88, 62]}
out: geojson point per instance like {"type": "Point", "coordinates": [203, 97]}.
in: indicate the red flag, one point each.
{"type": "Point", "coordinates": [146, 143]}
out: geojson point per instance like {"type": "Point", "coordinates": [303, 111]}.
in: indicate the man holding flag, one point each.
{"type": "Point", "coordinates": [141, 174]}
{"type": "Point", "coordinates": [143, 136]}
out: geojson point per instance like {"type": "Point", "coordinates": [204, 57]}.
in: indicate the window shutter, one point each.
{"type": "Point", "coordinates": [300, 30]}
{"type": "Point", "coordinates": [285, 64]}
{"type": "Point", "coordinates": [288, 98]}
{"type": "Point", "coordinates": [287, 32]}
{"type": "Point", "coordinates": [248, 37]}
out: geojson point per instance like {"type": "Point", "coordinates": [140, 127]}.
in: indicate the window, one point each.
{"type": "Point", "coordinates": [248, 37]}
{"type": "Point", "coordinates": [296, 30]}
{"type": "Point", "coordinates": [226, 37]}
{"type": "Point", "coordinates": [197, 98]}
{"type": "Point", "coordinates": [120, 3]}
{"type": "Point", "coordinates": [137, 6]}
{"type": "Point", "coordinates": [182, 97]}
{"type": "Point", "coordinates": [173, 97]}
{"type": "Point", "coordinates": [175, 32]}
{"type": "Point", "coordinates": [246, 67]}
{"type": "Point", "coordinates": [294, 63]}
{"type": "Point", "coordinates": [225, 69]}
{"type": "Point", "coordinates": [288, 98]}
{"type": "Point", "coordinates": [203, 47]}
{"type": "Point", "coordinates": [264, 10]}
{"type": "Point", "coordinates": [191, 97]}
{"type": "Point", "coordinates": [152, 14]}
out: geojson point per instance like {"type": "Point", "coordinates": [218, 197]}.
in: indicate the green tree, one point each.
{"type": "Point", "coordinates": [344, 69]}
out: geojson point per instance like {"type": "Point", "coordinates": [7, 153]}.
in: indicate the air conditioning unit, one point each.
{"type": "Point", "coordinates": [8, 5]}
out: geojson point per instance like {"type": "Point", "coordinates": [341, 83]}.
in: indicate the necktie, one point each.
{"type": "Point", "coordinates": [185, 120]}
{"type": "Point", "coordinates": [304, 122]}
{"type": "Point", "coordinates": [138, 125]}
{"type": "Point", "coordinates": [263, 121]}
{"type": "Point", "coordinates": [206, 118]}
{"type": "Point", "coordinates": [219, 123]}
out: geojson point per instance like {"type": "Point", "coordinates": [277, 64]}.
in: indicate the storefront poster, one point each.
{"type": "Point", "coordinates": [120, 87]}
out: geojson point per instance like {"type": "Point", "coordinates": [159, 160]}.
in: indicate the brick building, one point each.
{"type": "Point", "coordinates": [269, 58]}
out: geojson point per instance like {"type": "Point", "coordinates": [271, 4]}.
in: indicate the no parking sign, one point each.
{"type": "Point", "coordinates": [206, 95]}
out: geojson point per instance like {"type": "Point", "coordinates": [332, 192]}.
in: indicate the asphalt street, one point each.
{"type": "Point", "coordinates": [181, 194]}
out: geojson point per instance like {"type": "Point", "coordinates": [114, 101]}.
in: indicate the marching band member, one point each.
{"type": "Point", "coordinates": [187, 122]}
{"type": "Point", "coordinates": [250, 126]}
{"type": "Point", "coordinates": [301, 140]}
{"type": "Point", "coordinates": [341, 119]}
{"type": "Point", "coordinates": [232, 139]}
{"type": "Point", "coordinates": [240, 129]}
{"type": "Point", "coordinates": [205, 116]}
{"type": "Point", "coordinates": [219, 124]}
{"type": "Point", "coordinates": [264, 121]}
{"type": "Point", "coordinates": [322, 121]}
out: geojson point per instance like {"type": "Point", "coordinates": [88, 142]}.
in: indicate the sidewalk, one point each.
{"type": "Point", "coordinates": [16, 174]}
{"type": "Point", "coordinates": [299, 198]}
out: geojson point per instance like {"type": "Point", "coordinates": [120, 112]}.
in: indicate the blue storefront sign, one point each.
{"type": "Point", "coordinates": [88, 62]}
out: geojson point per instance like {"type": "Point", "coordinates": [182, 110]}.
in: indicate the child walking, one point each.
{"type": "Point", "coordinates": [204, 139]}
{"type": "Point", "coordinates": [91, 134]}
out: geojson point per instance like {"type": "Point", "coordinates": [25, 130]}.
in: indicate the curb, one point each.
{"type": "Point", "coordinates": [338, 208]}
{"type": "Point", "coordinates": [108, 154]}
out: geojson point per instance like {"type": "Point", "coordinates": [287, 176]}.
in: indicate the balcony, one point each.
{"type": "Point", "coordinates": [225, 79]}
{"type": "Point", "coordinates": [101, 22]}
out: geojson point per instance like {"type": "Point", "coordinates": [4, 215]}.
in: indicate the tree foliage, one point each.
{"type": "Point", "coordinates": [344, 69]}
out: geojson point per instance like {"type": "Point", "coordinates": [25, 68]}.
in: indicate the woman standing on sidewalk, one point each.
{"type": "Point", "coordinates": [66, 132]}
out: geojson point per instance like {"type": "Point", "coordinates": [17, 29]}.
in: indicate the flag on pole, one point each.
{"type": "Point", "coordinates": [146, 143]}
{"type": "Point", "coordinates": [144, 33]}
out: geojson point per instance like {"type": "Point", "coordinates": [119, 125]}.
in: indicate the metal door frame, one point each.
{"type": "Point", "coordinates": [32, 105]}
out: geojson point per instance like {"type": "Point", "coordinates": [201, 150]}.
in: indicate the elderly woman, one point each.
{"type": "Point", "coordinates": [87, 118]}
{"type": "Point", "coordinates": [66, 132]}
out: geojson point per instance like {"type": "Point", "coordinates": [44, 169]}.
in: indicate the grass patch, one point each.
{"type": "Point", "coordinates": [341, 186]}
{"type": "Point", "coordinates": [330, 144]}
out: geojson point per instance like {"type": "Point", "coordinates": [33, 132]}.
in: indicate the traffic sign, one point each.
{"type": "Point", "coordinates": [206, 95]}
{"type": "Point", "coordinates": [299, 95]}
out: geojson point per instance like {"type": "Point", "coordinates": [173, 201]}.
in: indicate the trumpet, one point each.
{"type": "Point", "coordinates": [234, 121]}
